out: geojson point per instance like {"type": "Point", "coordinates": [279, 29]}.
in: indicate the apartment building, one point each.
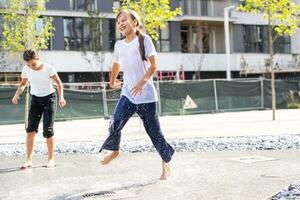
{"type": "Point", "coordinates": [192, 46]}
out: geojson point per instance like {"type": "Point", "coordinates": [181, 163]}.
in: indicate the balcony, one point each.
{"type": "Point", "coordinates": [205, 8]}
{"type": "Point", "coordinates": [247, 63]}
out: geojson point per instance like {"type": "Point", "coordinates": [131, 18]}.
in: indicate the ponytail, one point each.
{"type": "Point", "coordinates": [141, 45]}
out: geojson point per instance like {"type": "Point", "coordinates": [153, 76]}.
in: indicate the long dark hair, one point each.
{"type": "Point", "coordinates": [140, 32]}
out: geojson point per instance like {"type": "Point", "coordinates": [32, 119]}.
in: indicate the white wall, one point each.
{"type": "Point", "coordinates": [247, 18]}
{"type": "Point", "coordinates": [217, 62]}
{"type": "Point", "coordinates": [295, 41]}
{"type": "Point", "coordinates": [71, 61]}
{"type": "Point", "coordinates": [63, 61]}
{"type": "Point", "coordinates": [256, 62]}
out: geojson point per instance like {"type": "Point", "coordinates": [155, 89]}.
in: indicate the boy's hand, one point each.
{"type": "Point", "coordinates": [62, 102]}
{"type": "Point", "coordinates": [15, 99]}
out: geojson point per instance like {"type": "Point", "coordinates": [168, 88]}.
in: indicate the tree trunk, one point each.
{"type": "Point", "coordinates": [272, 69]}
{"type": "Point", "coordinates": [26, 106]}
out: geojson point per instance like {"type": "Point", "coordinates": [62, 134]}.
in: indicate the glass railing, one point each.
{"type": "Point", "coordinates": [207, 8]}
{"type": "Point", "coordinates": [79, 5]}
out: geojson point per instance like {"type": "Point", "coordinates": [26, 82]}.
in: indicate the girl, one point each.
{"type": "Point", "coordinates": [43, 102]}
{"type": "Point", "coordinates": [136, 56]}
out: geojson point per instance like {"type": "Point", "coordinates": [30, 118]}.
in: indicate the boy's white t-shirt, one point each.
{"type": "Point", "coordinates": [134, 68]}
{"type": "Point", "coordinates": [40, 81]}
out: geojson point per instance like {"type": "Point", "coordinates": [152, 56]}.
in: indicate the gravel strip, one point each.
{"type": "Point", "coordinates": [292, 192]}
{"type": "Point", "coordinates": [180, 145]}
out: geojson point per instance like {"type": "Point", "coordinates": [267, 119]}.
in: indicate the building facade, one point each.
{"type": "Point", "coordinates": [192, 46]}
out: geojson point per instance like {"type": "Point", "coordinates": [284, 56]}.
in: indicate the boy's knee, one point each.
{"type": "Point", "coordinates": [31, 130]}
{"type": "Point", "coordinates": [48, 133]}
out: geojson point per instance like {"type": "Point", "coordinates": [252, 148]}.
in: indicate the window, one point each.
{"type": "Point", "coordinates": [118, 33]}
{"type": "Point", "coordinates": [39, 26]}
{"type": "Point", "coordinates": [204, 8]}
{"type": "Point", "coordinates": [184, 39]}
{"type": "Point", "coordinates": [82, 5]}
{"type": "Point", "coordinates": [114, 37]}
{"type": "Point", "coordinates": [112, 34]}
{"type": "Point", "coordinates": [256, 40]}
{"type": "Point", "coordinates": [76, 34]}
{"type": "Point", "coordinates": [163, 42]}
{"type": "Point", "coordinates": [88, 34]}
{"type": "Point", "coordinates": [194, 7]}
{"type": "Point", "coordinates": [195, 38]}
{"type": "Point", "coordinates": [282, 45]}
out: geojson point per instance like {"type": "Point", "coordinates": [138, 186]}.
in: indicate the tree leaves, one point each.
{"type": "Point", "coordinates": [282, 14]}
{"type": "Point", "coordinates": [20, 30]}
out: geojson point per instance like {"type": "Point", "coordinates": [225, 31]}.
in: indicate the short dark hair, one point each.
{"type": "Point", "coordinates": [30, 54]}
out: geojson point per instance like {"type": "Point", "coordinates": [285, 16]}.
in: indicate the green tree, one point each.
{"type": "Point", "coordinates": [281, 16]}
{"type": "Point", "coordinates": [24, 27]}
{"type": "Point", "coordinates": [154, 13]}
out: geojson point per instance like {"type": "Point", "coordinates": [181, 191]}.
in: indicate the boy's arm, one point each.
{"type": "Point", "coordinates": [60, 89]}
{"type": "Point", "coordinates": [19, 91]}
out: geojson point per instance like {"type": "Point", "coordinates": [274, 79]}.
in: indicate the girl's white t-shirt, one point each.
{"type": "Point", "coordinates": [134, 68]}
{"type": "Point", "coordinates": [40, 81]}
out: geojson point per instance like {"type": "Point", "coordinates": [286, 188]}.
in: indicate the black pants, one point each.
{"type": "Point", "coordinates": [45, 106]}
{"type": "Point", "coordinates": [147, 112]}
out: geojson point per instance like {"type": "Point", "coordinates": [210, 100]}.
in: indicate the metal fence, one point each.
{"type": "Point", "coordinates": [95, 100]}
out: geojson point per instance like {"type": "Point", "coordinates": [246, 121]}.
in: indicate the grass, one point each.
{"type": "Point", "coordinates": [293, 106]}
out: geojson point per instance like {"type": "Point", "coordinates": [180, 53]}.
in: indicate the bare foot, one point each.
{"type": "Point", "coordinates": [50, 163]}
{"type": "Point", "coordinates": [26, 165]}
{"type": "Point", "coordinates": [105, 160]}
{"type": "Point", "coordinates": [166, 172]}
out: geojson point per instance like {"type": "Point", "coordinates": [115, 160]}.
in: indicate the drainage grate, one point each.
{"type": "Point", "coordinates": [103, 194]}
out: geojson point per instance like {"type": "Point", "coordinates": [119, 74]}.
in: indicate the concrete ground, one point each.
{"type": "Point", "coordinates": [231, 175]}
{"type": "Point", "coordinates": [195, 176]}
